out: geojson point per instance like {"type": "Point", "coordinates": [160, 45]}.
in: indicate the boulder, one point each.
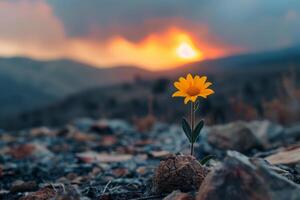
{"type": "Point", "coordinates": [233, 136]}
{"type": "Point", "coordinates": [238, 177]}
{"type": "Point", "coordinates": [269, 134]}
{"type": "Point", "coordinates": [178, 172]}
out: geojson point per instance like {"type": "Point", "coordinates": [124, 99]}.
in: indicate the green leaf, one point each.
{"type": "Point", "coordinates": [197, 131]}
{"type": "Point", "coordinates": [206, 159]}
{"type": "Point", "coordinates": [187, 129]}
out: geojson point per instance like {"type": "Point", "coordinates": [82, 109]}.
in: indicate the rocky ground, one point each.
{"type": "Point", "coordinates": [110, 159]}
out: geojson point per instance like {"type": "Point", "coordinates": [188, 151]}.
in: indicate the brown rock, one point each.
{"type": "Point", "coordinates": [45, 193]}
{"type": "Point", "coordinates": [144, 124]}
{"type": "Point", "coordinates": [108, 140]}
{"type": "Point", "coordinates": [41, 131]}
{"type": "Point", "coordinates": [20, 186]}
{"type": "Point", "coordinates": [82, 137]}
{"type": "Point", "coordinates": [288, 156]}
{"type": "Point", "coordinates": [177, 195]}
{"type": "Point", "coordinates": [141, 170]}
{"type": "Point", "coordinates": [233, 136]}
{"type": "Point", "coordinates": [180, 172]}
{"type": "Point", "coordinates": [120, 172]}
{"type": "Point", "coordinates": [22, 151]}
{"type": "Point", "coordinates": [30, 150]}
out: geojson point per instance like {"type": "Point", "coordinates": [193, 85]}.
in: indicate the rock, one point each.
{"type": "Point", "coordinates": [45, 193]}
{"type": "Point", "coordinates": [82, 137]}
{"type": "Point", "coordinates": [92, 157]}
{"type": "Point", "coordinates": [21, 186]}
{"type": "Point", "coordinates": [240, 178]}
{"type": "Point", "coordinates": [119, 172]}
{"type": "Point", "coordinates": [289, 156]}
{"type": "Point", "coordinates": [144, 124]}
{"type": "Point", "coordinates": [160, 154]}
{"type": "Point", "coordinates": [33, 150]}
{"type": "Point", "coordinates": [234, 136]}
{"type": "Point", "coordinates": [41, 131]}
{"type": "Point", "coordinates": [139, 170]}
{"type": "Point", "coordinates": [177, 195]}
{"type": "Point", "coordinates": [179, 172]}
{"type": "Point", "coordinates": [108, 140]}
{"type": "Point", "coordinates": [268, 133]}
{"type": "Point", "coordinates": [22, 151]}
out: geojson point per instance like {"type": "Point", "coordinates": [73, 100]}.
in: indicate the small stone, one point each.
{"type": "Point", "coordinates": [41, 131]}
{"type": "Point", "coordinates": [287, 156]}
{"type": "Point", "coordinates": [92, 157]}
{"type": "Point", "coordinates": [22, 151]}
{"type": "Point", "coordinates": [71, 176]}
{"type": "Point", "coordinates": [120, 172]}
{"type": "Point", "coordinates": [160, 154]}
{"type": "Point", "coordinates": [45, 193]}
{"type": "Point", "coordinates": [179, 172]}
{"type": "Point", "coordinates": [30, 150]}
{"type": "Point", "coordinates": [141, 170]}
{"type": "Point", "coordinates": [20, 186]}
{"type": "Point", "coordinates": [108, 140]}
{"type": "Point", "coordinates": [177, 195]}
{"type": "Point", "coordinates": [82, 137]}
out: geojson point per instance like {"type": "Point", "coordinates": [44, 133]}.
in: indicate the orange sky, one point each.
{"type": "Point", "coordinates": [45, 38]}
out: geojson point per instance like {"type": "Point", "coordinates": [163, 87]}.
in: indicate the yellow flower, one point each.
{"type": "Point", "coordinates": [192, 88]}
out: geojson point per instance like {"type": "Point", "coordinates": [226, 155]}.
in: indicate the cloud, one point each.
{"type": "Point", "coordinates": [250, 24]}
{"type": "Point", "coordinates": [144, 33]}
{"type": "Point", "coordinates": [32, 29]}
{"type": "Point", "coordinates": [28, 26]}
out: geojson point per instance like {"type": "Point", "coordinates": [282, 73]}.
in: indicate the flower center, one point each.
{"type": "Point", "coordinates": [193, 91]}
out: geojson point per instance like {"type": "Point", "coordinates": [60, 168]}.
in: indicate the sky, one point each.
{"type": "Point", "coordinates": [154, 34]}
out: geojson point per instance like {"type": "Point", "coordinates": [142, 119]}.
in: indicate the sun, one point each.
{"type": "Point", "coordinates": [186, 51]}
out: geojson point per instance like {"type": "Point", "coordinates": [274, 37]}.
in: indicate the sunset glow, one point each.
{"type": "Point", "coordinates": [185, 51]}
{"type": "Point", "coordinates": [46, 38]}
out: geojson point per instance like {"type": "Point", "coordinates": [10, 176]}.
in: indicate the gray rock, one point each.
{"type": "Point", "coordinates": [269, 134]}
{"type": "Point", "coordinates": [238, 177]}
{"type": "Point", "coordinates": [233, 136]}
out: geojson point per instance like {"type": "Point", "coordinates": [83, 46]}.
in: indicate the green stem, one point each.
{"type": "Point", "coordinates": [192, 122]}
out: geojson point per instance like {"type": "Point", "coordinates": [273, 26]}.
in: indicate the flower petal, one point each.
{"type": "Point", "coordinates": [189, 78]}
{"type": "Point", "coordinates": [203, 79]}
{"type": "Point", "coordinates": [196, 80]}
{"type": "Point", "coordinates": [185, 84]}
{"type": "Point", "coordinates": [194, 98]}
{"type": "Point", "coordinates": [207, 92]}
{"type": "Point", "coordinates": [186, 100]}
{"type": "Point", "coordinates": [207, 84]}
{"type": "Point", "coordinates": [179, 94]}
{"type": "Point", "coordinates": [179, 86]}
{"type": "Point", "coordinates": [200, 83]}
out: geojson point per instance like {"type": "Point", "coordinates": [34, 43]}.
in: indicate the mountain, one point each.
{"type": "Point", "coordinates": [239, 76]}
{"type": "Point", "coordinates": [250, 62]}
{"type": "Point", "coordinates": [27, 84]}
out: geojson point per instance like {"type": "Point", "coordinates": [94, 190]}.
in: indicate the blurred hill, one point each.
{"type": "Point", "coordinates": [27, 84]}
{"type": "Point", "coordinates": [246, 85]}
{"type": "Point", "coordinates": [33, 92]}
